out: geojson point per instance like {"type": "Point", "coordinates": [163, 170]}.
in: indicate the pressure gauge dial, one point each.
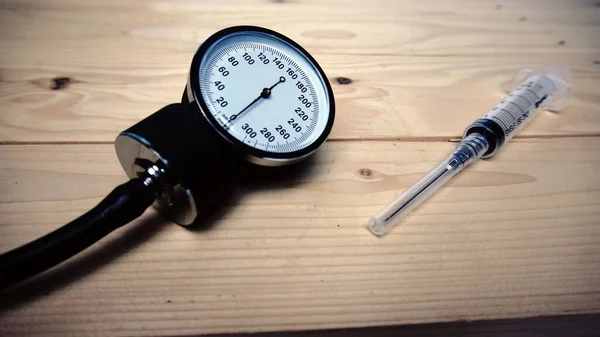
{"type": "Point", "coordinates": [263, 93]}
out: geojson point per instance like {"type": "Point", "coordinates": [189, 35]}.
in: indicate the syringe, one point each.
{"type": "Point", "coordinates": [547, 88]}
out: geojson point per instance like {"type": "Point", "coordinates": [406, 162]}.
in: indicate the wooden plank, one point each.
{"type": "Point", "coordinates": [514, 236]}
{"type": "Point", "coordinates": [547, 326]}
{"type": "Point", "coordinates": [457, 27]}
{"type": "Point", "coordinates": [419, 70]}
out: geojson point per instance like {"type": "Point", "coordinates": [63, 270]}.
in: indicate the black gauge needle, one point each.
{"type": "Point", "coordinates": [265, 93]}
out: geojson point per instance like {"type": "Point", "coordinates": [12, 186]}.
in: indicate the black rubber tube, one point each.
{"type": "Point", "coordinates": [125, 203]}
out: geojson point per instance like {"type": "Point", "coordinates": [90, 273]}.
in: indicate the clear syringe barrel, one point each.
{"type": "Point", "coordinates": [547, 88]}
{"type": "Point", "coordinates": [544, 88]}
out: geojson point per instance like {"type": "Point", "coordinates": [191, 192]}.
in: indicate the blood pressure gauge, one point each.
{"type": "Point", "coordinates": [253, 95]}
{"type": "Point", "coordinates": [254, 98]}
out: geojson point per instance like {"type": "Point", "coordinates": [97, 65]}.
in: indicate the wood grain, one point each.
{"type": "Point", "coordinates": [419, 70]}
{"type": "Point", "coordinates": [515, 236]}
{"type": "Point", "coordinates": [512, 237]}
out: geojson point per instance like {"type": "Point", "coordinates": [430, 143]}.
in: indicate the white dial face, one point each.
{"type": "Point", "coordinates": [264, 92]}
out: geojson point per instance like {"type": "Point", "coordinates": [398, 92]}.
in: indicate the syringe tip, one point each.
{"type": "Point", "coordinates": [376, 226]}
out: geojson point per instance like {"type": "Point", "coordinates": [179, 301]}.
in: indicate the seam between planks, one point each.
{"type": "Point", "coordinates": [338, 139]}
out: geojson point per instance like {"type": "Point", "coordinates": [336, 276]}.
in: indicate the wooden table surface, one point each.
{"type": "Point", "coordinates": [514, 236]}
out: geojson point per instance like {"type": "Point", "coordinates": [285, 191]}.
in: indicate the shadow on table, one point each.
{"type": "Point", "coordinates": [93, 259]}
{"type": "Point", "coordinates": [81, 265]}
{"type": "Point", "coordinates": [253, 178]}
{"type": "Point", "coordinates": [586, 325]}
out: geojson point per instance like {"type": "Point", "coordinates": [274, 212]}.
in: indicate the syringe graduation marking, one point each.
{"type": "Point", "coordinates": [528, 96]}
